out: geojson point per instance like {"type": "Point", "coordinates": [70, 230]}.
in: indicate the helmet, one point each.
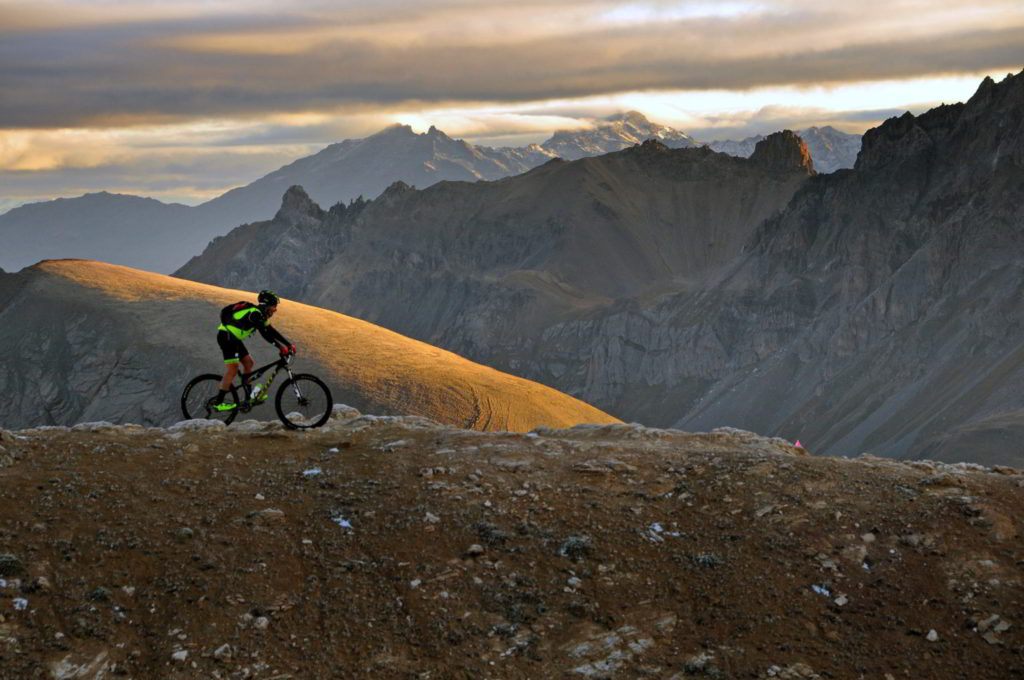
{"type": "Point", "coordinates": [268, 298]}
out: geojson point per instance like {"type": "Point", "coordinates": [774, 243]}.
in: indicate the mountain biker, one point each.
{"type": "Point", "coordinates": [239, 321]}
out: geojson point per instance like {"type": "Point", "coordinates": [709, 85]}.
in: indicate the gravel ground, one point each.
{"type": "Point", "coordinates": [399, 548]}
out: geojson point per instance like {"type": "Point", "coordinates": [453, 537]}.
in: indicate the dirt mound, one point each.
{"type": "Point", "coordinates": [398, 548]}
{"type": "Point", "coordinates": [90, 341]}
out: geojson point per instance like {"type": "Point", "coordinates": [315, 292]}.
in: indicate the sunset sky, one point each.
{"type": "Point", "coordinates": [182, 101]}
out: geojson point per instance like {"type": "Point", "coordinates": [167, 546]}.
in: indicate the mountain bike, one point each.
{"type": "Point", "coordinates": [302, 402]}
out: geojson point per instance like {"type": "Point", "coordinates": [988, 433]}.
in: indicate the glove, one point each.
{"type": "Point", "coordinates": [285, 351]}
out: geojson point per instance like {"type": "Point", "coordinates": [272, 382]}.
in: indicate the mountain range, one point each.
{"type": "Point", "coordinates": [148, 234]}
{"type": "Point", "coordinates": [870, 309]}
{"type": "Point", "coordinates": [90, 341]}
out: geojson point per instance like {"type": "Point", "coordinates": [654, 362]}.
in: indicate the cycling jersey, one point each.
{"type": "Point", "coordinates": [242, 321]}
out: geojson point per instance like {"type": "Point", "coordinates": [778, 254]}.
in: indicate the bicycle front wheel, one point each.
{"type": "Point", "coordinates": [304, 402]}
{"type": "Point", "coordinates": [197, 399]}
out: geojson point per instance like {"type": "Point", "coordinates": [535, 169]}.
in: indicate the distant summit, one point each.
{"type": "Point", "coordinates": [618, 132]}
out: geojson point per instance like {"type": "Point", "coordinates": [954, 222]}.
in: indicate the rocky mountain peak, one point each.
{"type": "Point", "coordinates": [393, 191]}
{"type": "Point", "coordinates": [434, 133]}
{"type": "Point", "coordinates": [1003, 99]}
{"type": "Point", "coordinates": [783, 151]}
{"type": "Point", "coordinates": [297, 205]}
{"type": "Point", "coordinates": [989, 122]}
{"type": "Point", "coordinates": [395, 130]}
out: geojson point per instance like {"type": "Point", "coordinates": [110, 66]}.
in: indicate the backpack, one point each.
{"type": "Point", "coordinates": [227, 313]}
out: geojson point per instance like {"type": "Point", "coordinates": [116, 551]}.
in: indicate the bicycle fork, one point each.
{"type": "Point", "coordinates": [295, 386]}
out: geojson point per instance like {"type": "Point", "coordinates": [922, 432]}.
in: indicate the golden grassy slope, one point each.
{"type": "Point", "coordinates": [385, 368]}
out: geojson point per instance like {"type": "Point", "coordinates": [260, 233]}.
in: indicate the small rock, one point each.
{"type": "Point", "coordinates": [10, 565]}
{"type": "Point", "coordinates": [42, 583]}
{"type": "Point", "coordinates": [475, 550]}
{"type": "Point", "coordinates": [700, 663]}
{"type": "Point", "coordinates": [268, 515]}
{"type": "Point", "coordinates": [576, 547]}
{"type": "Point", "coordinates": [261, 623]}
{"type": "Point", "coordinates": [100, 595]}
{"type": "Point", "coordinates": [179, 656]}
{"type": "Point", "coordinates": [932, 636]}
{"type": "Point", "coordinates": [184, 534]}
{"type": "Point", "coordinates": [128, 590]}
{"type": "Point", "coordinates": [223, 653]}
{"type": "Point", "coordinates": [709, 560]}
{"type": "Point", "coordinates": [431, 518]}
{"type": "Point", "coordinates": [842, 600]}
{"type": "Point", "coordinates": [984, 625]}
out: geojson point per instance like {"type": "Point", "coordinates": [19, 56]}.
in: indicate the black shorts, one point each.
{"type": "Point", "coordinates": [233, 348]}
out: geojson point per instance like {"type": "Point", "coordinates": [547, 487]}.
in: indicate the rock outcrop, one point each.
{"type": "Point", "coordinates": [831, 149]}
{"type": "Point", "coordinates": [783, 151]}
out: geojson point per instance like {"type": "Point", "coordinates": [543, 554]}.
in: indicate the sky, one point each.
{"type": "Point", "coordinates": [182, 101]}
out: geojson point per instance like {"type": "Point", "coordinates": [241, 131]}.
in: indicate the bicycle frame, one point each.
{"type": "Point", "coordinates": [246, 378]}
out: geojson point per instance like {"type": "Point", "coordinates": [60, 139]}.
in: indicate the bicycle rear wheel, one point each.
{"type": "Point", "coordinates": [304, 402]}
{"type": "Point", "coordinates": [197, 399]}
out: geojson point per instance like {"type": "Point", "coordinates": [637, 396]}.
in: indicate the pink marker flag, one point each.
{"type": "Point", "coordinates": [798, 444]}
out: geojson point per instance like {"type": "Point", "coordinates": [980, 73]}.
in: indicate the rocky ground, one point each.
{"type": "Point", "coordinates": [398, 548]}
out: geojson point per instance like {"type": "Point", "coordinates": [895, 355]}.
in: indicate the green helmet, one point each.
{"type": "Point", "coordinates": [268, 298]}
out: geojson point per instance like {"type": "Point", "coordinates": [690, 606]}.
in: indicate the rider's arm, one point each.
{"type": "Point", "coordinates": [273, 336]}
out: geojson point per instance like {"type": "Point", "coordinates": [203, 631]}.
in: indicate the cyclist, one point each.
{"type": "Point", "coordinates": [239, 321]}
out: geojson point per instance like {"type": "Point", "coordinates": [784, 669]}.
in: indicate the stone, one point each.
{"type": "Point", "coordinates": [10, 565]}
{"type": "Point", "coordinates": [268, 515]}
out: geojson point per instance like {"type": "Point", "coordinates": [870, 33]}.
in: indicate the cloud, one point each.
{"type": "Point", "coordinates": [393, 54]}
{"type": "Point", "coordinates": [182, 101]}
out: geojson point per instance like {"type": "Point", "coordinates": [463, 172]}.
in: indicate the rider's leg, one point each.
{"type": "Point", "coordinates": [246, 367]}
{"type": "Point", "coordinates": [230, 371]}
{"type": "Point", "coordinates": [234, 351]}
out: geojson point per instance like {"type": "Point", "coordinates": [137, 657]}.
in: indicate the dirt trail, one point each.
{"type": "Point", "coordinates": [396, 548]}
